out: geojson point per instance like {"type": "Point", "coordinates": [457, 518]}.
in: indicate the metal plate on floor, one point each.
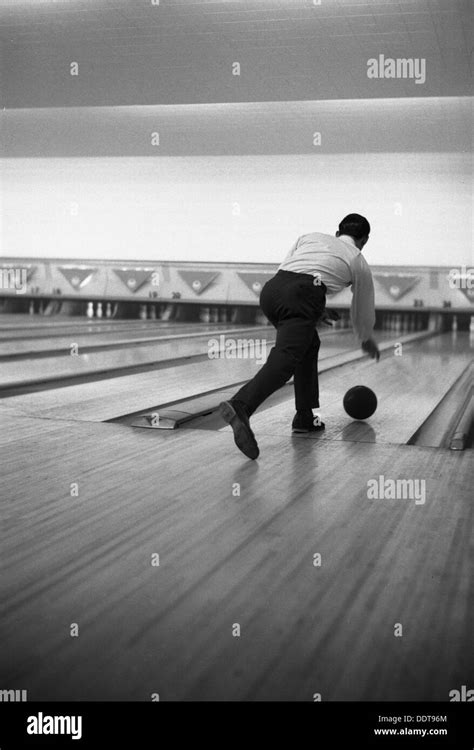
{"type": "Point", "coordinates": [169, 418]}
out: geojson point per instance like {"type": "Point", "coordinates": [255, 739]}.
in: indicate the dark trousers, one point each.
{"type": "Point", "coordinates": [292, 302]}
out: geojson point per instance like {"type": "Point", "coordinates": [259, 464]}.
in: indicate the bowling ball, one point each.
{"type": "Point", "coordinates": [360, 402]}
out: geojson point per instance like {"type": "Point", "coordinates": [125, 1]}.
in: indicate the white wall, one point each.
{"type": "Point", "coordinates": [181, 208]}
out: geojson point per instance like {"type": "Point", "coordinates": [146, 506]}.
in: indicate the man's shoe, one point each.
{"type": "Point", "coordinates": [307, 423]}
{"type": "Point", "coordinates": [233, 412]}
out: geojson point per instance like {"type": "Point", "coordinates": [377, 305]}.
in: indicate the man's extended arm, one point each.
{"type": "Point", "coordinates": [363, 305]}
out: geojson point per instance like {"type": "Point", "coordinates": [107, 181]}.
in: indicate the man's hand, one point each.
{"type": "Point", "coordinates": [328, 317]}
{"type": "Point", "coordinates": [371, 348]}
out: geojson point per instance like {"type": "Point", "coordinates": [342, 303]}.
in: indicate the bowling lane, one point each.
{"type": "Point", "coordinates": [18, 322]}
{"type": "Point", "coordinates": [225, 559]}
{"type": "Point", "coordinates": [111, 398]}
{"type": "Point", "coordinates": [26, 339]}
{"type": "Point", "coordinates": [408, 388]}
{"type": "Point", "coordinates": [172, 347]}
{"type": "Point", "coordinates": [180, 343]}
{"type": "Point", "coordinates": [97, 336]}
{"type": "Point", "coordinates": [175, 380]}
{"type": "Point", "coordinates": [123, 337]}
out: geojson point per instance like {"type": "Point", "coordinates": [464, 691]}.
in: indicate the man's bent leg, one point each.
{"type": "Point", "coordinates": [294, 337]}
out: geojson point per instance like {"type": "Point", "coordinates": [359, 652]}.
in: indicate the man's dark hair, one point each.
{"type": "Point", "coordinates": [355, 226]}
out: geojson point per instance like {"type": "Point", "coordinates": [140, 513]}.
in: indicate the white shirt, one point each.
{"type": "Point", "coordinates": [338, 263]}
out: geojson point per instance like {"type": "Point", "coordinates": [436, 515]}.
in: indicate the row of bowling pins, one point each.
{"type": "Point", "coordinates": [147, 311]}
{"type": "Point", "coordinates": [217, 314]}
{"type": "Point", "coordinates": [402, 322]}
{"type": "Point", "coordinates": [36, 309]}
{"type": "Point", "coordinates": [454, 324]}
{"type": "Point", "coordinates": [98, 312]}
{"type": "Point", "coordinates": [156, 312]}
{"type": "Point", "coordinates": [164, 312]}
{"type": "Point", "coordinates": [344, 320]}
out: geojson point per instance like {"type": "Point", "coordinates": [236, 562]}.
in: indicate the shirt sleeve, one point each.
{"type": "Point", "coordinates": [363, 306]}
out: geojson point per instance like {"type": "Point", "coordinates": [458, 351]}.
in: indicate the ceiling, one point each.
{"type": "Point", "coordinates": [132, 52]}
{"type": "Point", "coordinates": [344, 126]}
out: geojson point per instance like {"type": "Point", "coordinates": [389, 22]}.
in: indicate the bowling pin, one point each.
{"type": "Point", "coordinates": [108, 310]}
{"type": "Point", "coordinates": [99, 310]}
{"type": "Point", "coordinates": [167, 312]}
{"type": "Point", "coordinates": [152, 312]}
{"type": "Point", "coordinates": [223, 315]}
{"type": "Point", "coordinates": [261, 318]}
{"type": "Point", "coordinates": [32, 308]}
{"type": "Point", "coordinates": [205, 315]}
{"type": "Point", "coordinates": [142, 312]}
{"type": "Point", "coordinates": [90, 310]}
{"type": "Point", "coordinates": [454, 324]}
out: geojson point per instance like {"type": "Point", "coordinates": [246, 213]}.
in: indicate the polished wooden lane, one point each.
{"type": "Point", "coordinates": [408, 388]}
{"type": "Point", "coordinates": [228, 558]}
{"type": "Point", "coordinates": [36, 324]}
{"type": "Point", "coordinates": [21, 372]}
{"type": "Point", "coordinates": [46, 339]}
{"type": "Point", "coordinates": [114, 397]}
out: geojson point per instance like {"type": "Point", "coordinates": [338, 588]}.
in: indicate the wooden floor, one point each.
{"type": "Point", "coordinates": [236, 541]}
